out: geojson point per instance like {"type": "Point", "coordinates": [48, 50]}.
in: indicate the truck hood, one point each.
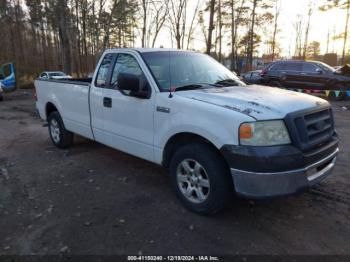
{"type": "Point", "coordinates": [258, 102]}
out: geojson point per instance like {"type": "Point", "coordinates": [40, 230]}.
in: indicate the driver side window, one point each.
{"type": "Point", "coordinates": [127, 64]}
{"type": "Point", "coordinates": [310, 68]}
{"type": "Point", "coordinates": [101, 79]}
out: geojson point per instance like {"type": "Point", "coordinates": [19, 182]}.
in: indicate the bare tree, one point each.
{"type": "Point", "coordinates": [107, 25]}
{"type": "Point", "coordinates": [233, 33]}
{"type": "Point", "coordinates": [307, 30]}
{"type": "Point", "coordinates": [177, 17]}
{"type": "Point", "coordinates": [251, 35]}
{"type": "Point", "coordinates": [298, 36]}
{"type": "Point", "coordinates": [191, 28]}
{"type": "Point", "coordinates": [347, 4]}
{"type": "Point", "coordinates": [160, 11]}
{"type": "Point", "coordinates": [61, 11]}
{"type": "Point", "coordinates": [341, 4]}
{"type": "Point", "coordinates": [220, 29]}
{"type": "Point", "coordinates": [275, 28]}
{"type": "Point", "coordinates": [144, 7]}
{"type": "Point", "coordinates": [211, 26]}
{"type": "Point", "coordinates": [236, 20]}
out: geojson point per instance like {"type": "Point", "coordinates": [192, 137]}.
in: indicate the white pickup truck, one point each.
{"type": "Point", "coordinates": [188, 113]}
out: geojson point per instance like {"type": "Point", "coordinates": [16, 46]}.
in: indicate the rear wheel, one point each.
{"type": "Point", "coordinates": [60, 137]}
{"type": "Point", "coordinates": [275, 83]}
{"type": "Point", "coordinates": [201, 179]}
{"type": "Point", "coordinates": [1, 97]}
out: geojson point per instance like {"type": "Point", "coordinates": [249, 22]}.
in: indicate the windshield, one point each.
{"type": "Point", "coordinates": [175, 69]}
{"type": "Point", "coordinates": [57, 74]}
{"type": "Point", "coordinates": [325, 67]}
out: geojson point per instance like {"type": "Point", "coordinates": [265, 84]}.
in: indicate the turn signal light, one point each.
{"type": "Point", "coordinates": [245, 131]}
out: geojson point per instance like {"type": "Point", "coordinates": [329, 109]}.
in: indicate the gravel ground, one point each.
{"type": "Point", "coordinates": [95, 200]}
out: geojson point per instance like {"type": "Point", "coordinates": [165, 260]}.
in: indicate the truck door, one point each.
{"type": "Point", "coordinates": [291, 74]}
{"type": "Point", "coordinates": [128, 120]}
{"type": "Point", "coordinates": [314, 77]}
{"type": "Point", "coordinates": [98, 86]}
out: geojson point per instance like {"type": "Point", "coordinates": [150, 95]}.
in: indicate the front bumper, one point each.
{"type": "Point", "coordinates": [282, 173]}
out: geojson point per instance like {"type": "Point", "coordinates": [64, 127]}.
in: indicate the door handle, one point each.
{"type": "Point", "coordinates": [107, 102]}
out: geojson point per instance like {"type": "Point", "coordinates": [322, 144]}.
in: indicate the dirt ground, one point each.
{"type": "Point", "coordinates": [95, 200]}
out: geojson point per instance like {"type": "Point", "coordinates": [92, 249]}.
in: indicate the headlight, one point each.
{"type": "Point", "coordinates": [264, 133]}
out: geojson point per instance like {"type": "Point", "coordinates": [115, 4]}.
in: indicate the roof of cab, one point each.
{"type": "Point", "coordinates": [149, 50]}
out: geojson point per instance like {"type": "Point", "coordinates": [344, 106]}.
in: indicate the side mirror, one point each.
{"type": "Point", "coordinates": [137, 85]}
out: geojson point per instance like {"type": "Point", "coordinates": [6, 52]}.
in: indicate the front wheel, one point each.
{"type": "Point", "coordinates": [60, 137]}
{"type": "Point", "coordinates": [201, 179]}
{"type": "Point", "coordinates": [275, 83]}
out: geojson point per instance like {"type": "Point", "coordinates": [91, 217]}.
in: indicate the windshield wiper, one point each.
{"type": "Point", "coordinates": [192, 87]}
{"type": "Point", "coordinates": [227, 82]}
{"type": "Point", "coordinates": [188, 87]}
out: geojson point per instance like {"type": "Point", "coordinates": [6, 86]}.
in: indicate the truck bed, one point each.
{"type": "Point", "coordinates": [71, 98]}
{"type": "Point", "coordinates": [82, 81]}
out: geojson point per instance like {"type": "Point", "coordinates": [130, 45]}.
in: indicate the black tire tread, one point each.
{"type": "Point", "coordinates": [67, 137]}
{"type": "Point", "coordinates": [221, 182]}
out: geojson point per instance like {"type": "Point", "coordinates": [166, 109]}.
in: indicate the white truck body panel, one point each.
{"type": "Point", "coordinates": [129, 124]}
{"type": "Point", "coordinates": [293, 143]}
{"type": "Point", "coordinates": [260, 102]}
{"type": "Point", "coordinates": [135, 126]}
{"type": "Point", "coordinates": [214, 123]}
{"type": "Point", "coordinates": [72, 101]}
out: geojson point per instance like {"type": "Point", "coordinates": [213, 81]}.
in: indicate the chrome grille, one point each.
{"type": "Point", "coordinates": [319, 126]}
{"type": "Point", "coordinates": [314, 128]}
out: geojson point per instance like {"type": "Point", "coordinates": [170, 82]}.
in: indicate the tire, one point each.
{"type": "Point", "coordinates": [1, 97]}
{"type": "Point", "coordinates": [275, 84]}
{"type": "Point", "coordinates": [60, 137]}
{"type": "Point", "coordinates": [200, 172]}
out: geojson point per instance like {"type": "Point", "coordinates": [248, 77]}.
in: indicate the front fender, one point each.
{"type": "Point", "coordinates": [216, 124]}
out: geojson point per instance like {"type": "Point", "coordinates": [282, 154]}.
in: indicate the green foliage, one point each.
{"type": "Point", "coordinates": [313, 50]}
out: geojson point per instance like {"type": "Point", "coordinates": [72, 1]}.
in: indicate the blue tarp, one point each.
{"type": "Point", "coordinates": [8, 77]}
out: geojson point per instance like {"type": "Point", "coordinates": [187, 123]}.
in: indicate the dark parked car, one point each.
{"type": "Point", "coordinates": [253, 77]}
{"type": "Point", "coordinates": [309, 75]}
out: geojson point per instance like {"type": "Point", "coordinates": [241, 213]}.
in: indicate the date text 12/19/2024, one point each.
{"type": "Point", "coordinates": [173, 258]}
